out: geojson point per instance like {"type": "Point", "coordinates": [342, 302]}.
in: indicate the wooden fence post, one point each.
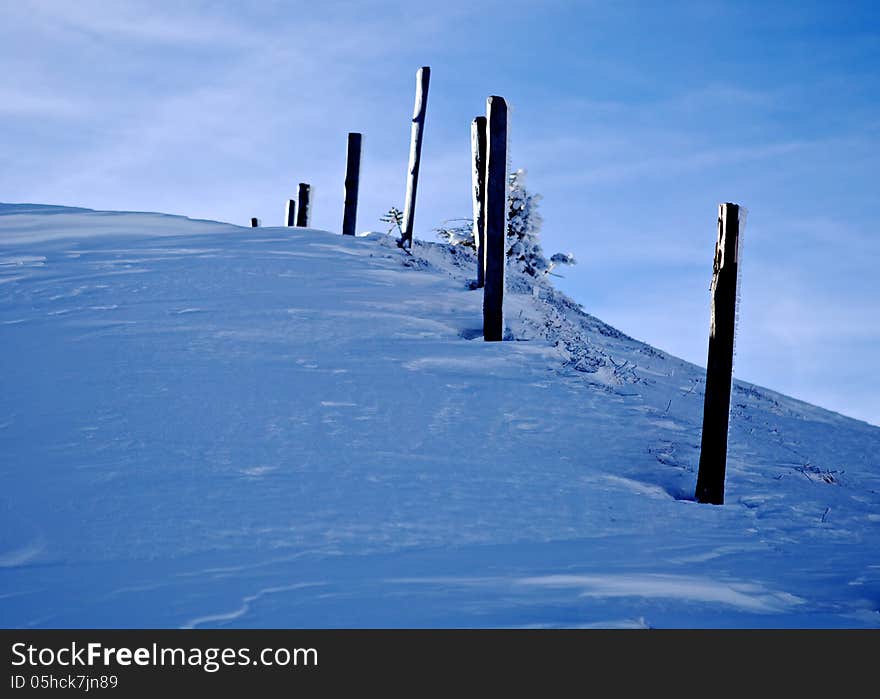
{"type": "Point", "coordinates": [423, 79]}
{"type": "Point", "coordinates": [719, 366]}
{"type": "Point", "coordinates": [496, 219]}
{"type": "Point", "coordinates": [478, 179]}
{"type": "Point", "coordinates": [304, 197]}
{"type": "Point", "coordinates": [255, 222]}
{"type": "Point", "coordinates": [290, 213]}
{"type": "Point", "coordinates": [352, 181]}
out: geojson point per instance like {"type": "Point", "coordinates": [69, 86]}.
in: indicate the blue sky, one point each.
{"type": "Point", "coordinates": [633, 120]}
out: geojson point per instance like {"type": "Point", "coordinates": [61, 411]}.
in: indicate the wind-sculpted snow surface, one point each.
{"type": "Point", "coordinates": [207, 425]}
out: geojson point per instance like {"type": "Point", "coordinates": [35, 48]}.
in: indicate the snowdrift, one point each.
{"type": "Point", "coordinates": [207, 425]}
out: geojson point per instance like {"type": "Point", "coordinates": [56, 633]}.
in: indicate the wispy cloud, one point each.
{"type": "Point", "coordinates": [676, 161]}
{"type": "Point", "coordinates": [19, 102]}
{"type": "Point", "coordinates": [132, 20]}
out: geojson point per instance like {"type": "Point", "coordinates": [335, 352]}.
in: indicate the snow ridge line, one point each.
{"type": "Point", "coordinates": [538, 311]}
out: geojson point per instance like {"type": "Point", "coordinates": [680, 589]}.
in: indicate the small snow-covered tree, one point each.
{"type": "Point", "coordinates": [524, 230]}
{"type": "Point", "coordinates": [394, 219]}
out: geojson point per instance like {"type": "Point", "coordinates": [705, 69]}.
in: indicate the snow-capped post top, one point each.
{"type": "Point", "coordinates": [304, 198]}
{"type": "Point", "coordinates": [423, 80]}
{"type": "Point", "coordinates": [496, 218]}
{"type": "Point", "coordinates": [719, 366]}
{"type": "Point", "coordinates": [352, 182]}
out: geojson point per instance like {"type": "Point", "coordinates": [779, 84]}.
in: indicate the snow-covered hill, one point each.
{"type": "Point", "coordinates": [206, 425]}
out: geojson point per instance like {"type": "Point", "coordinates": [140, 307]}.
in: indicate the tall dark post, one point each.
{"type": "Point", "coordinates": [304, 196]}
{"type": "Point", "coordinates": [478, 178]}
{"type": "Point", "coordinates": [352, 181]}
{"type": "Point", "coordinates": [719, 367]}
{"type": "Point", "coordinates": [255, 222]}
{"type": "Point", "coordinates": [290, 213]}
{"type": "Point", "coordinates": [496, 219]}
{"type": "Point", "coordinates": [423, 79]}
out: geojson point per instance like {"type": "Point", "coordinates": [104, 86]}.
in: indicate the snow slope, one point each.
{"type": "Point", "coordinates": [206, 425]}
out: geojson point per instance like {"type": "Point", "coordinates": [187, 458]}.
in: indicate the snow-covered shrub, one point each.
{"type": "Point", "coordinates": [562, 258]}
{"type": "Point", "coordinates": [457, 231]}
